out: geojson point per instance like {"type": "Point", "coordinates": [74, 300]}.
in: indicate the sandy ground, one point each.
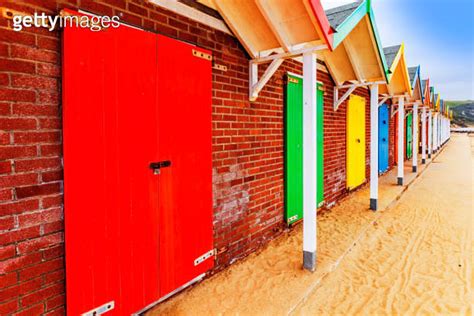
{"type": "Point", "coordinates": [412, 257]}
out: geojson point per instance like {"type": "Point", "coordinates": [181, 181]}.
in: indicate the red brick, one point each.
{"type": "Point", "coordinates": [18, 95]}
{"type": "Point", "coordinates": [40, 243]}
{"type": "Point", "coordinates": [49, 70]}
{"type": "Point", "coordinates": [48, 97]}
{"type": "Point", "coordinates": [57, 275]}
{"type": "Point", "coordinates": [34, 54]}
{"type": "Point", "coordinates": [51, 201]}
{"type": "Point", "coordinates": [42, 294]}
{"type": "Point", "coordinates": [13, 65]}
{"type": "Point", "coordinates": [8, 279]}
{"type": "Point", "coordinates": [36, 82]}
{"type": "Point", "coordinates": [4, 49]}
{"type": "Point", "coordinates": [53, 252]}
{"type": "Point", "coordinates": [36, 137]}
{"type": "Point", "coordinates": [137, 9]}
{"type": "Point", "coordinates": [51, 150]}
{"type": "Point", "coordinates": [19, 235]}
{"type": "Point", "coordinates": [11, 36]}
{"type": "Point", "coordinates": [50, 123]}
{"type": "Point", "coordinates": [8, 307]}
{"type": "Point", "coordinates": [18, 179]}
{"type": "Point", "coordinates": [47, 267]}
{"type": "Point", "coordinates": [17, 123]}
{"type": "Point", "coordinates": [36, 190]}
{"type": "Point", "coordinates": [5, 108]}
{"type": "Point", "coordinates": [5, 167]}
{"type": "Point", "coordinates": [19, 262]}
{"type": "Point", "coordinates": [6, 195]}
{"type": "Point", "coordinates": [47, 42]}
{"type": "Point", "coordinates": [7, 223]}
{"type": "Point", "coordinates": [4, 138]}
{"type": "Point", "coordinates": [57, 312]}
{"type": "Point", "coordinates": [30, 109]}
{"type": "Point", "coordinates": [34, 310]}
{"type": "Point", "coordinates": [51, 176]}
{"type": "Point", "coordinates": [9, 152]}
{"type": "Point", "coordinates": [4, 79]}
{"type": "Point", "coordinates": [7, 252]}
{"type": "Point", "coordinates": [37, 164]}
{"type": "Point", "coordinates": [53, 227]}
{"type": "Point", "coordinates": [18, 207]}
{"type": "Point", "coordinates": [56, 301]}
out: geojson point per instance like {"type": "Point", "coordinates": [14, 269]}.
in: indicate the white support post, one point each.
{"type": "Point", "coordinates": [435, 132]}
{"type": "Point", "coordinates": [430, 133]}
{"type": "Point", "coordinates": [309, 160]}
{"type": "Point", "coordinates": [415, 138]}
{"type": "Point", "coordinates": [374, 146]}
{"type": "Point", "coordinates": [423, 135]}
{"type": "Point", "coordinates": [401, 136]}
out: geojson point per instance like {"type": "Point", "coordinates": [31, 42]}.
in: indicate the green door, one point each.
{"type": "Point", "coordinates": [409, 138]}
{"type": "Point", "coordinates": [294, 149]}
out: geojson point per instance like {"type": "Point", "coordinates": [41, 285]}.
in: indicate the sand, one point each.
{"type": "Point", "coordinates": [413, 257]}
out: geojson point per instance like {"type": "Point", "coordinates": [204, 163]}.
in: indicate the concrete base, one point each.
{"type": "Point", "coordinates": [309, 260]}
{"type": "Point", "coordinates": [400, 181]}
{"type": "Point", "coordinates": [373, 204]}
{"type": "Point", "coordinates": [414, 168]}
{"type": "Point", "coordinates": [423, 161]}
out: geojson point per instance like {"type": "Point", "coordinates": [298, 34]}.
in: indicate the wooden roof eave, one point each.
{"type": "Point", "coordinates": [342, 36]}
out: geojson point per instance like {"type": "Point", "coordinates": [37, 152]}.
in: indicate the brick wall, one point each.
{"type": "Point", "coordinates": [247, 150]}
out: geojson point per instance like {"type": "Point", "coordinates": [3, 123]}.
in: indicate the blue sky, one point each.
{"type": "Point", "coordinates": [438, 35]}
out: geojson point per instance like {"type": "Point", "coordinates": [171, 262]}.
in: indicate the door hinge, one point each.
{"type": "Point", "coordinates": [101, 309]}
{"type": "Point", "coordinates": [219, 67]}
{"type": "Point", "coordinates": [202, 55]}
{"type": "Point", "coordinates": [294, 80]}
{"type": "Point", "coordinates": [205, 256]}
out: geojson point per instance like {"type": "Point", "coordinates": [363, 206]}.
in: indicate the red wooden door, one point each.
{"type": "Point", "coordinates": [131, 235]}
{"type": "Point", "coordinates": [184, 95]}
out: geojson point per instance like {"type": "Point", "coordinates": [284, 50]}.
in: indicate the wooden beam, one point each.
{"type": "Point", "coordinates": [374, 146]}
{"type": "Point", "coordinates": [291, 54]}
{"type": "Point", "coordinates": [337, 101]}
{"type": "Point", "coordinates": [259, 84]}
{"type": "Point", "coordinates": [309, 160]}
{"type": "Point", "coordinates": [401, 132]}
{"type": "Point", "coordinates": [266, 10]}
{"type": "Point", "coordinates": [352, 54]}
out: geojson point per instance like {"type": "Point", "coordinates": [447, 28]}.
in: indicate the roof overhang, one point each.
{"type": "Point", "coordinates": [357, 54]}
{"type": "Point", "coordinates": [426, 92]}
{"type": "Point", "coordinates": [399, 83]}
{"type": "Point", "coordinates": [275, 26]}
{"type": "Point", "coordinates": [417, 95]}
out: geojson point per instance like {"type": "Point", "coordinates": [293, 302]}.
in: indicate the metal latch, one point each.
{"type": "Point", "coordinates": [101, 309]}
{"type": "Point", "coordinates": [205, 256]}
{"type": "Point", "coordinates": [156, 166]}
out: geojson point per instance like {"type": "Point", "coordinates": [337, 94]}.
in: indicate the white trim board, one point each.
{"type": "Point", "coordinates": [193, 14]}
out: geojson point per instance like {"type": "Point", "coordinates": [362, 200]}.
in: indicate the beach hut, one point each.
{"type": "Point", "coordinates": [425, 119]}
{"type": "Point", "coordinates": [357, 60]}
{"type": "Point", "coordinates": [417, 101]}
{"type": "Point", "coordinates": [400, 90]}
{"type": "Point", "coordinates": [268, 31]}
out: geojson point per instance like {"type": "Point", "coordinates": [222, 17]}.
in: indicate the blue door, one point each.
{"type": "Point", "coordinates": [383, 138]}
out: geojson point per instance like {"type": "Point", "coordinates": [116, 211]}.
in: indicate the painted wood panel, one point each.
{"type": "Point", "coordinates": [355, 154]}
{"type": "Point", "coordinates": [383, 138]}
{"type": "Point", "coordinates": [294, 149]}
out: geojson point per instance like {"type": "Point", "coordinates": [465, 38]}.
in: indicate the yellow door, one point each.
{"type": "Point", "coordinates": [355, 141]}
